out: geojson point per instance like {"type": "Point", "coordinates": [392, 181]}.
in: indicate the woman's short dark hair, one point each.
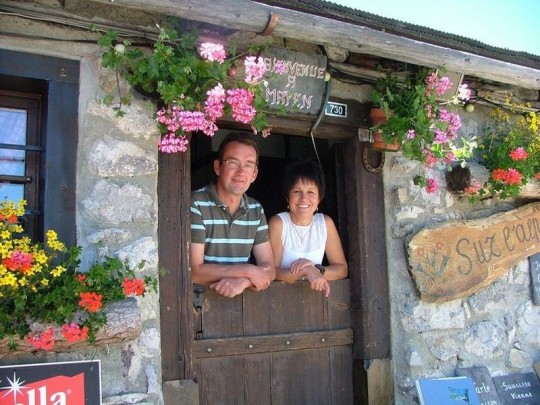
{"type": "Point", "coordinates": [306, 170]}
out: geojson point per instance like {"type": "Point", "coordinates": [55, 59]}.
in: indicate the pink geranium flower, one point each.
{"type": "Point", "coordinates": [255, 69]}
{"type": "Point", "coordinates": [173, 144]}
{"type": "Point", "coordinates": [431, 185]}
{"type": "Point", "coordinates": [241, 101]}
{"type": "Point", "coordinates": [518, 154]}
{"type": "Point", "coordinates": [212, 52]}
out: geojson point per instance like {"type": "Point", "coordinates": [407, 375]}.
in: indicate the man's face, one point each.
{"type": "Point", "coordinates": [237, 170]}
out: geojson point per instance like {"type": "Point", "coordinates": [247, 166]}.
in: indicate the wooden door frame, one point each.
{"type": "Point", "coordinates": [368, 270]}
{"type": "Point", "coordinates": [175, 287]}
{"type": "Point", "coordinates": [365, 208]}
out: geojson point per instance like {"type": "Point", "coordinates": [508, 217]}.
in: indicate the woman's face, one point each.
{"type": "Point", "coordinates": [303, 198]}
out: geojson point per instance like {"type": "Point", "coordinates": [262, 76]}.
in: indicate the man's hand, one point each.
{"type": "Point", "coordinates": [260, 277]}
{"type": "Point", "coordinates": [230, 287]}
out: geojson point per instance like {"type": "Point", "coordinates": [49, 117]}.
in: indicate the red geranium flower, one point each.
{"type": "Point", "coordinates": [90, 301]}
{"type": "Point", "coordinates": [133, 286]}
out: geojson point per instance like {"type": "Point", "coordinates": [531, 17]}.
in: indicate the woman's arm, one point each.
{"type": "Point", "coordinates": [337, 268]}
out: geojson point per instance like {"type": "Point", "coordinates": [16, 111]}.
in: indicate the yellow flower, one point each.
{"type": "Point", "coordinates": [44, 281]}
{"type": "Point", "coordinates": [5, 234]}
{"type": "Point", "coordinates": [40, 257]}
{"type": "Point", "coordinates": [58, 271]}
{"type": "Point", "coordinates": [9, 279]}
{"type": "Point", "coordinates": [23, 281]}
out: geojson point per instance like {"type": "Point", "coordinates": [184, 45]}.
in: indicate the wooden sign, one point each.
{"type": "Point", "coordinates": [483, 384]}
{"type": "Point", "coordinates": [460, 258]}
{"type": "Point", "coordinates": [534, 268]}
{"type": "Point", "coordinates": [518, 389]}
{"type": "Point", "coordinates": [301, 87]}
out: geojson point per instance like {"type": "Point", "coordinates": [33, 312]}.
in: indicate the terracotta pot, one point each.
{"type": "Point", "coordinates": [378, 116]}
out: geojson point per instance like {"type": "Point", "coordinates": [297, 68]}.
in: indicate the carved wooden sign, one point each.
{"type": "Point", "coordinates": [460, 258]}
{"type": "Point", "coordinates": [301, 87]}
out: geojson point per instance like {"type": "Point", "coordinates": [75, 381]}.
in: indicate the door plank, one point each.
{"type": "Point", "coordinates": [258, 374]}
{"type": "Point", "coordinates": [221, 316]}
{"type": "Point", "coordinates": [221, 380]}
{"type": "Point", "coordinates": [295, 307]}
{"type": "Point", "coordinates": [256, 312]}
{"type": "Point", "coordinates": [341, 378]}
{"type": "Point", "coordinates": [301, 377]}
{"type": "Point", "coordinates": [339, 305]}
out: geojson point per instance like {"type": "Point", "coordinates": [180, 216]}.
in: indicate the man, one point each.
{"type": "Point", "coordinates": [227, 225]}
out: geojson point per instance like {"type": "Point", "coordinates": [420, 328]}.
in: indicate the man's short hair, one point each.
{"type": "Point", "coordinates": [240, 137]}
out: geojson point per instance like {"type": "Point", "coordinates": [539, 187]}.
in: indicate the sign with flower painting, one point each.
{"type": "Point", "coordinates": [460, 258]}
{"type": "Point", "coordinates": [77, 383]}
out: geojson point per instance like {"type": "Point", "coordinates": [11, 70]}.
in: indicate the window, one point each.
{"type": "Point", "coordinates": [20, 152]}
{"type": "Point", "coordinates": [38, 139]}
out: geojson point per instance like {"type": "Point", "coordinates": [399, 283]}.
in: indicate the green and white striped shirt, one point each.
{"type": "Point", "coordinates": [227, 239]}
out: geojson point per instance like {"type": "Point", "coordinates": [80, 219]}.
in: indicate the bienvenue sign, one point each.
{"type": "Point", "coordinates": [460, 258]}
{"type": "Point", "coordinates": [301, 87]}
{"type": "Point", "coordinates": [66, 383]}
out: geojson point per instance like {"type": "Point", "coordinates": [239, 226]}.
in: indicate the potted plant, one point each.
{"type": "Point", "coordinates": [418, 123]}
{"type": "Point", "coordinates": [510, 150]}
{"type": "Point", "coordinates": [196, 83]}
{"type": "Point", "coordinates": [40, 285]}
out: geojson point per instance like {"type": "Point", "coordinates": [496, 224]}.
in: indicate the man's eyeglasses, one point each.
{"type": "Point", "coordinates": [235, 165]}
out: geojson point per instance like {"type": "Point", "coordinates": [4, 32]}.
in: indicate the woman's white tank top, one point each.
{"type": "Point", "coordinates": [308, 242]}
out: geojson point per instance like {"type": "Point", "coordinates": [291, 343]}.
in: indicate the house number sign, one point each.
{"type": "Point", "coordinates": [460, 258]}
{"type": "Point", "coordinates": [334, 109]}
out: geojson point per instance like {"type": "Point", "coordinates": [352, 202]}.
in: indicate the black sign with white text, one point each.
{"type": "Point", "coordinates": [66, 383]}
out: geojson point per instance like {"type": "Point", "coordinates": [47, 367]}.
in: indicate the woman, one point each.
{"type": "Point", "coordinates": [301, 237]}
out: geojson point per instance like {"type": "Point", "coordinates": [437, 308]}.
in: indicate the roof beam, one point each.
{"type": "Point", "coordinates": [245, 15]}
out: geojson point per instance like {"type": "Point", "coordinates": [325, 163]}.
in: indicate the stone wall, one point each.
{"type": "Point", "coordinates": [497, 327]}
{"type": "Point", "coordinates": [116, 214]}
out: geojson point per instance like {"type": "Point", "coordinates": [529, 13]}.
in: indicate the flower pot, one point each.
{"type": "Point", "coordinates": [378, 116]}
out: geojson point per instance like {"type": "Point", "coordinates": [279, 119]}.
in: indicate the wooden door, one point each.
{"type": "Point", "coordinates": [285, 345]}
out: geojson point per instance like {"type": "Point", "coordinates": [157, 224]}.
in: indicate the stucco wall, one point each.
{"type": "Point", "coordinates": [497, 327]}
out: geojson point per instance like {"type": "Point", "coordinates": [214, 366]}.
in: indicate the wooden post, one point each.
{"type": "Point", "coordinates": [368, 270]}
{"type": "Point", "coordinates": [174, 196]}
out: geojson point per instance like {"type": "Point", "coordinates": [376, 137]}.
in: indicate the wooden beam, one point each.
{"type": "Point", "coordinates": [271, 343]}
{"type": "Point", "coordinates": [245, 15]}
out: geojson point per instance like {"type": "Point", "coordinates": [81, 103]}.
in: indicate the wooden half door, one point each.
{"type": "Point", "coordinates": [285, 345]}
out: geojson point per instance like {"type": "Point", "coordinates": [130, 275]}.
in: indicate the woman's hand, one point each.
{"type": "Point", "coordinates": [317, 281]}
{"type": "Point", "coordinates": [299, 265]}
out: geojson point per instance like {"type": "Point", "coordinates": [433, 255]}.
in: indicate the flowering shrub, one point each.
{"type": "Point", "coordinates": [40, 283]}
{"type": "Point", "coordinates": [425, 130]}
{"type": "Point", "coordinates": [196, 85]}
{"type": "Point", "coordinates": [510, 150]}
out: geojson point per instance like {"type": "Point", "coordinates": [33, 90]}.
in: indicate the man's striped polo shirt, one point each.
{"type": "Point", "coordinates": [227, 239]}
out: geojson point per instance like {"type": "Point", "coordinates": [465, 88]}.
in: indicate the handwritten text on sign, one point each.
{"type": "Point", "coordinates": [301, 87]}
{"type": "Point", "coordinates": [460, 258]}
